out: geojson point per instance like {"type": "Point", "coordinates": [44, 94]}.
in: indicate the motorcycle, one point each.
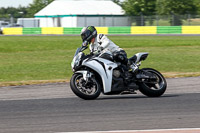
{"type": "Point", "coordinates": [99, 73]}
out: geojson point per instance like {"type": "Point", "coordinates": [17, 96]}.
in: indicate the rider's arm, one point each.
{"type": "Point", "coordinates": [91, 48]}
{"type": "Point", "coordinates": [103, 41]}
{"type": "Point", "coordinates": [94, 50]}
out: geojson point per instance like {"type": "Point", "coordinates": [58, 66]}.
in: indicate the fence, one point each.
{"type": "Point", "coordinates": [166, 20]}
{"type": "Point", "coordinates": [156, 20]}
{"type": "Point", "coordinates": [105, 30]}
{"type": "Point", "coordinates": [10, 21]}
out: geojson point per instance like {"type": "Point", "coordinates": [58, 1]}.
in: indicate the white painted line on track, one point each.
{"type": "Point", "coordinates": [178, 130]}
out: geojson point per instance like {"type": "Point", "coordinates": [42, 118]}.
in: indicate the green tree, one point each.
{"type": "Point", "coordinates": [14, 12]}
{"type": "Point", "coordinates": [139, 8]}
{"type": "Point", "coordinates": [175, 8]}
{"type": "Point", "coordinates": [198, 7]}
{"type": "Point", "coordinates": [117, 2]}
{"type": "Point", "coordinates": [197, 3]}
{"type": "Point", "coordinates": [36, 6]}
{"type": "Point", "coordinates": [3, 13]}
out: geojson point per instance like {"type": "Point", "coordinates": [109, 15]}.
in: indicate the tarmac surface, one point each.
{"type": "Point", "coordinates": [53, 108]}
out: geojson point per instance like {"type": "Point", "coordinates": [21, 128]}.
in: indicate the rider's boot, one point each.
{"type": "Point", "coordinates": [132, 66]}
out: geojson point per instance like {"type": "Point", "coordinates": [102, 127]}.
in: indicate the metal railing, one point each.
{"type": "Point", "coordinates": [156, 20]}
{"type": "Point", "coordinates": [166, 20]}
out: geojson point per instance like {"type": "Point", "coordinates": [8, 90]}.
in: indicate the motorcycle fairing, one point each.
{"type": "Point", "coordinates": [104, 68]}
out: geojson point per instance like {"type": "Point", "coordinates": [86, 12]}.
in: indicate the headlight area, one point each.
{"type": "Point", "coordinates": [76, 61]}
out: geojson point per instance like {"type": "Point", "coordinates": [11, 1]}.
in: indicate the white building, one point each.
{"type": "Point", "coordinates": [80, 13]}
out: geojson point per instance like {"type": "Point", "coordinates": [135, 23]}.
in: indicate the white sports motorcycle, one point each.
{"type": "Point", "coordinates": [94, 74]}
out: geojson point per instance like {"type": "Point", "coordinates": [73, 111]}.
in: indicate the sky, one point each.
{"type": "Point", "coordinates": [14, 3]}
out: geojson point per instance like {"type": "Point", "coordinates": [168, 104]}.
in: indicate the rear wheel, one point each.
{"type": "Point", "coordinates": [88, 91]}
{"type": "Point", "coordinates": [153, 87]}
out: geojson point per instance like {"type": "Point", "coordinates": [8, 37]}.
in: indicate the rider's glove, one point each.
{"type": "Point", "coordinates": [99, 49]}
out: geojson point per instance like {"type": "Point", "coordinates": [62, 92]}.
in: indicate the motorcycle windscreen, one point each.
{"type": "Point", "coordinates": [77, 51]}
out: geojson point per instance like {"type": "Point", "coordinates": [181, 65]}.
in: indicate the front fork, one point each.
{"type": "Point", "coordinates": [86, 75]}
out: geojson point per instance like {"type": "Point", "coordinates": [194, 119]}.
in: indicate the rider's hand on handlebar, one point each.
{"type": "Point", "coordinates": [99, 49]}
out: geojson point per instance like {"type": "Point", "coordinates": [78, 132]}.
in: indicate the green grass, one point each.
{"type": "Point", "coordinates": [25, 58]}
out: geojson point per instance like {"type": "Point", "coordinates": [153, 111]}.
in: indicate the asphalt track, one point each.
{"type": "Point", "coordinates": [53, 108]}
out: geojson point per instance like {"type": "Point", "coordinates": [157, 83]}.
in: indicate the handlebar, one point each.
{"type": "Point", "coordinates": [83, 48]}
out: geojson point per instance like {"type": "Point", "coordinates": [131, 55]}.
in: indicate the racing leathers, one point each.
{"type": "Point", "coordinates": [102, 43]}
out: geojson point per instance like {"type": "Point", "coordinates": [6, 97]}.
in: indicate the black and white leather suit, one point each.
{"type": "Point", "coordinates": [102, 43]}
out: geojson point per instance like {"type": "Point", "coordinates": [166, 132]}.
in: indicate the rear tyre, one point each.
{"type": "Point", "coordinates": [88, 92]}
{"type": "Point", "coordinates": [153, 89]}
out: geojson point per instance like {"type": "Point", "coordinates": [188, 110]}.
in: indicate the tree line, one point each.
{"type": "Point", "coordinates": [131, 7]}
{"type": "Point", "coordinates": [24, 12]}
{"type": "Point", "coordinates": [173, 8]}
{"type": "Point", "coordinates": [159, 7]}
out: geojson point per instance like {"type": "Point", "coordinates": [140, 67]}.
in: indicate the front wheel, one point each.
{"type": "Point", "coordinates": [153, 87]}
{"type": "Point", "coordinates": [88, 91]}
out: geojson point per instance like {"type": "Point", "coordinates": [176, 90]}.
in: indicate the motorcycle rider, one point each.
{"type": "Point", "coordinates": [99, 43]}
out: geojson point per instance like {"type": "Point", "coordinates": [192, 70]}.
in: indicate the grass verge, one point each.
{"type": "Point", "coordinates": [42, 59]}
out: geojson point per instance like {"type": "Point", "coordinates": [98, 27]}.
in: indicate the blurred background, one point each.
{"type": "Point", "coordinates": [102, 13]}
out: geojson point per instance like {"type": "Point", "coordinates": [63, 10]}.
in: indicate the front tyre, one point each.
{"type": "Point", "coordinates": [88, 91]}
{"type": "Point", "coordinates": [153, 87]}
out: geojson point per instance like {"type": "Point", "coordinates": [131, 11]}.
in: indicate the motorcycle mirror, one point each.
{"type": "Point", "coordinates": [85, 43]}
